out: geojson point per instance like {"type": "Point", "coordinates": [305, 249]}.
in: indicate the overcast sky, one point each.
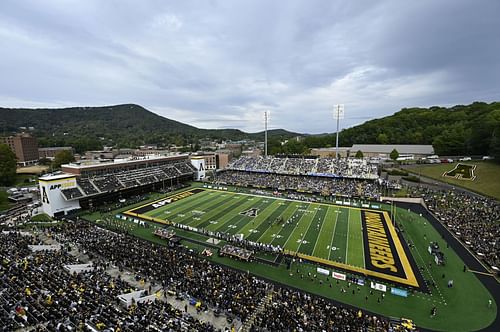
{"type": "Point", "coordinates": [220, 64]}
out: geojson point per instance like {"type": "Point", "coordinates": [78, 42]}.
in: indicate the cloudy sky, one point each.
{"type": "Point", "coordinates": [220, 64]}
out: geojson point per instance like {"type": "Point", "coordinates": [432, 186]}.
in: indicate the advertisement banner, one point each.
{"type": "Point", "coordinates": [377, 286]}
{"type": "Point", "coordinates": [399, 292]}
{"type": "Point", "coordinates": [339, 276]}
{"type": "Point", "coordinates": [323, 271]}
{"type": "Point", "coordinates": [360, 282]}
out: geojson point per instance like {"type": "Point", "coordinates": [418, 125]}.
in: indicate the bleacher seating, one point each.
{"type": "Point", "coordinates": [107, 183]}
{"type": "Point", "coordinates": [87, 187]}
{"type": "Point", "coordinates": [72, 193]}
{"type": "Point", "coordinates": [350, 168]}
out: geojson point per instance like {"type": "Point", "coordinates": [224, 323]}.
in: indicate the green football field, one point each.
{"type": "Point", "coordinates": [328, 234]}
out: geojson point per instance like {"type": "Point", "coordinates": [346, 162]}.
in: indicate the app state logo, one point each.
{"type": "Point", "coordinates": [253, 212]}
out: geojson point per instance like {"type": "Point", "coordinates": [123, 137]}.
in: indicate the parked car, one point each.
{"type": "Point", "coordinates": [487, 158]}
{"type": "Point", "coordinates": [465, 159]}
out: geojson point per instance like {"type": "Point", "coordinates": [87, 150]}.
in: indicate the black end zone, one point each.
{"type": "Point", "coordinates": [164, 201]}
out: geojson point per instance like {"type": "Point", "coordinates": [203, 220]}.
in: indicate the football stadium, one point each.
{"type": "Point", "coordinates": [249, 166]}
{"type": "Point", "coordinates": [274, 229]}
{"type": "Point", "coordinates": [326, 236]}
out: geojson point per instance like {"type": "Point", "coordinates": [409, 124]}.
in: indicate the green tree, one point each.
{"type": "Point", "coordinates": [359, 154]}
{"type": "Point", "coordinates": [382, 138]}
{"type": "Point", "coordinates": [44, 161]}
{"type": "Point", "coordinates": [62, 157]}
{"type": "Point", "coordinates": [394, 154]}
{"type": "Point", "coordinates": [7, 165]}
{"type": "Point", "coordinates": [494, 150]}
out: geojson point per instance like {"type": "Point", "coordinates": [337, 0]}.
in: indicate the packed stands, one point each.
{"type": "Point", "coordinates": [292, 310]}
{"type": "Point", "coordinates": [229, 291]}
{"type": "Point", "coordinates": [311, 184]}
{"type": "Point", "coordinates": [475, 220]}
{"type": "Point", "coordinates": [37, 292]}
{"type": "Point", "coordinates": [349, 168]}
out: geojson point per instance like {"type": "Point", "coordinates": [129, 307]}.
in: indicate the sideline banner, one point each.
{"type": "Point", "coordinates": [323, 271]}
{"type": "Point", "coordinates": [339, 276]}
{"type": "Point", "coordinates": [377, 286]}
{"type": "Point", "coordinates": [399, 292]}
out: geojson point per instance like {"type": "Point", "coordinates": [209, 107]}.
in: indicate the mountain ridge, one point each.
{"type": "Point", "coordinates": [125, 125]}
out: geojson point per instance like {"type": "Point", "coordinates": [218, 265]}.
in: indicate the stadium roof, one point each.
{"type": "Point", "coordinates": [58, 176]}
{"type": "Point", "coordinates": [387, 148]}
{"type": "Point", "coordinates": [110, 162]}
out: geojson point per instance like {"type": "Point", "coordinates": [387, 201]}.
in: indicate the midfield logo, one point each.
{"type": "Point", "coordinates": [250, 212]}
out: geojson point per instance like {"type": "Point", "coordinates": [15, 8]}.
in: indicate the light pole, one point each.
{"type": "Point", "coordinates": [266, 118]}
{"type": "Point", "coordinates": [338, 113]}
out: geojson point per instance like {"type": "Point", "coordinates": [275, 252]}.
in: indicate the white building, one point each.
{"type": "Point", "coordinates": [53, 202]}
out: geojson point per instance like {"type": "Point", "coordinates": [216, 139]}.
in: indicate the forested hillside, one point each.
{"type": "Point", "coordinates": [88, 128]}
{"type": "Point", "coordinates": [460, 130]}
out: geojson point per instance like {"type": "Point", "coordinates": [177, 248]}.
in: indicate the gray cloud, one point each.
{"type": "Point", "coordinates": [222, 63]}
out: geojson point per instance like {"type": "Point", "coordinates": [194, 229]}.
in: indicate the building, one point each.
{"type": "Point", "coordinates": [151, 152]}
{"type": "Point", "coordinates": [210, 158]}
{"type": "Point", "coordinates": [50, 153]}
{"type": "Point", "coordinates": [344, 152]}
{"type": "Point", "coordinates": [412, 151]}
{"type": "Point", "coordinates": [222, 159]}
{"type": "Point", "coordinates": [53, 202]}
{"type": "Point", "coordinates": [24, 146]}
{"type": "Point", "coordinates": [384, 150]}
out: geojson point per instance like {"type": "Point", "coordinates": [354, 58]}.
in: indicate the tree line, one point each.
{"type": "Point", "coordinates": [460, 130]}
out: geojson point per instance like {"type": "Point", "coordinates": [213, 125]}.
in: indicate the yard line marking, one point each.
{"type": "Point", "coordinates": [305, 233]}
{"type": "Point", "coordinates": [347, 238]}
{"type": "Point", "coordinates": [362, 241]}
{"type": "Point", "coordinates": [333, 234]}
{"type": "Point", "coordinates": [296, 225]}
{"type": "Point", "coordinates": [317, 238]}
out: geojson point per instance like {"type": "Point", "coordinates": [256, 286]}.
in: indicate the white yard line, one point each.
{"type": "Point", "coordinates": [333, 234]}
{"type": "Point", "coordinates": [322, 224]}
{"type": "Point", "coordinates": [297, 225]}
{"type": "Point", "coordinates": [347, 237]}
{"type": "Point", "coordinates": [312, 221]}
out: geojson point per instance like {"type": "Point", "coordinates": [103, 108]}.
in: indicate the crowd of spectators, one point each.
{"type": "Point", "coordinates": [179, 271]}
{"type": "Point", "coordinates": [311, 184]}
{"type": "Point", "coordinates": [474, 219]}
{"type": "Point", "coordinates": [343, 167]}
{"type": "Point", "coordinates": [37, 292]}
{"type": "Point", "coordinates": [292, 310]}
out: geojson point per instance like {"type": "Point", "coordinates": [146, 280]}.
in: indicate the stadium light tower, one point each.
{"type": "Point", "coordinates": [338, 113]}
{"type": "Point", "coordinates": [266, 118]}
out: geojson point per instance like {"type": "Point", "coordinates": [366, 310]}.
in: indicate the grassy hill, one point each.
{"type": "Point", "coordinates": [128, 125]}
{"type": "Point", "coordinates": [485, 182]}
